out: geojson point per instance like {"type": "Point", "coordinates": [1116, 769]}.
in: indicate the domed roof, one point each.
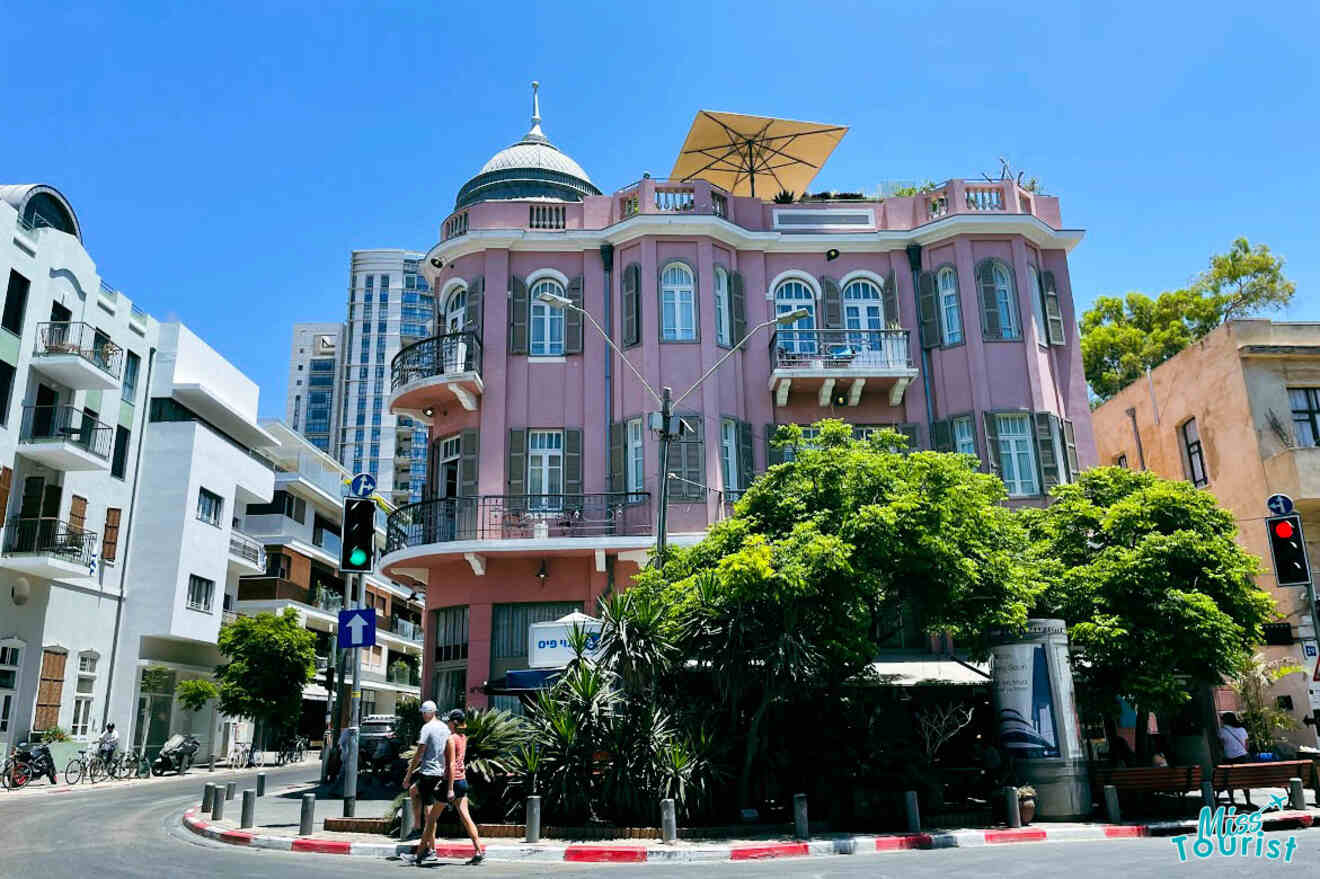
{"type": "Point", "coordinates": [532, 168]}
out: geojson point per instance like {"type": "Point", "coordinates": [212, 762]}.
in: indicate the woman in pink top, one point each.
{"type": "Point", "coordinates": [456, 775]}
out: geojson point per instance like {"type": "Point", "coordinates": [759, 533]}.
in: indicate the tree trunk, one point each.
{"type": "Point", "coordinates": [1143, 737]}
{"type": "Point", "coordinates": [749, 752]}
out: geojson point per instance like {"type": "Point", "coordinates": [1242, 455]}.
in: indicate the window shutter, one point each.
{"type": "Point", "coordinates": [78, 512]}
{"type": "Point", "coordinates": [619, 456]}
{"type": "Point", "coordinates": [432, 470]}
{"type": "Point", "coordinates": [632, 305]}
{"type": "Point", "coordinates": [517, 316]}
{"type": "Point", "coordinates": [694, 459]}
{"type": "Point", "coordinates": [472, 312]}
{"type": "Point", "coordinates": [773, 454]}
{"type": "Point", "coordinates": [515, 470]}
{"type": "Point", "coordinates": [468, 449]}
{"type": "Point", "coordinates": [1047, 426]}
{"type": "Point", "coordinates": [889, 296]}
{"type": "Point", "coordinates": [110, 538]}
{"type": "Point", "coordinates": [941, 436]}
{"type": "Point", "coordinates": [50, 689]}
{"type": "Point", "coordinates": [573, 468]}
{"type": "Point", "coordinates": [991, 423]}
{"type": "Point", "coordinates": [573, 318]}
{"type": "Point", "coordinates": [6, 485]}
{"type": "Point", "coordinates": [1053, 314]}
{"type": "Point", "coordinates": [746, 466]}
{"type": "Point", "coordinates": [831, 304]}
{"type": "Point", "coordinates": [1070, 443]}
{"type": "Point", "coordinates": [929, 307]}
{"type": "Point", "coordinates": [737, 306]}
{"type": "Point", "coordinates": [913, 434]}
{"type": "Point", "coordinates": [985, 286]}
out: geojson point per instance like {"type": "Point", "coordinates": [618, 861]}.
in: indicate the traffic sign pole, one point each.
{"type": "Point", "coordinates": [351, 758]}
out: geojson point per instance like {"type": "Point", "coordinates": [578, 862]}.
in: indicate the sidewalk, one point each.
{"type": "Point", "coordinates": [277, 815]}
{"type": "Point", "coordinates": [222, 772]}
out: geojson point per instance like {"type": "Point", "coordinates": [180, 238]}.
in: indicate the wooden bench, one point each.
{"type": "Point", "coordinates": [1247, 776]}
{"type": "Point", "coordinates": [1148, 780]}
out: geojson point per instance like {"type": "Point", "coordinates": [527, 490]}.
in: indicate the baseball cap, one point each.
{"type": "Point", "coordinates": [428, 705]}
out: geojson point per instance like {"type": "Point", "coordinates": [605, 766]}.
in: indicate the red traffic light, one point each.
{"type": "Point", "coordinates": [1283, 530]}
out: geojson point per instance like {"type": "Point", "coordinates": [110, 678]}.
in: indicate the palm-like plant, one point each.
{"type": "Point", "coordinates": [493, 737]}
{"type": "Point", "coordinates": [636, 638]}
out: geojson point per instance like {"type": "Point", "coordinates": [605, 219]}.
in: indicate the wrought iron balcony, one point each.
{"type": "Point", "coordinates": [68, 431]}
{"type": "Point", "coordinates": [512, 517]}
{"type": "Point", "coordinates": [839, 364]}
{"type": "Point", "coordinates": [83, 340]}
{"type": "Point", "coordinates": [439, 355]}
{"type": "Point", "coordinates": [50, 537]}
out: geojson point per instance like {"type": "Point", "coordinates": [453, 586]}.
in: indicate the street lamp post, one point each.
{"type": "Point", "coordinates": [667, 427]}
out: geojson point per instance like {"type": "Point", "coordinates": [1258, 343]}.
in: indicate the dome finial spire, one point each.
{"type": "Point", "coordinates": [536, 134]}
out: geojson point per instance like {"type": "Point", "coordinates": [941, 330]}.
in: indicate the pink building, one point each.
{"type": "Point", "coordinates": [949, 315]}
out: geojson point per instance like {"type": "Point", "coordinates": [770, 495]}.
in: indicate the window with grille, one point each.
{"type": "Point", "coordinates": [201, 591]}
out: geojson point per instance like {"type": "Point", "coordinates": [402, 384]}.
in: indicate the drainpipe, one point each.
{"type": "Point", "coordinates": [914, 263]}
{"type": "Point", "coordinates": [607, 262]}
{"type": "Point", "coordinates": [1136, 434]}
{"type": "Point", "coordinates": [128, 543]}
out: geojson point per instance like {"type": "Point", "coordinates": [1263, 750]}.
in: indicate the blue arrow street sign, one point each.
{"type": "Point", "coordinates": [362, 485]}
{"type": "Point", "coordinates": [357, 628]}
{"type": "Point", "coordinates": [1280, 504]}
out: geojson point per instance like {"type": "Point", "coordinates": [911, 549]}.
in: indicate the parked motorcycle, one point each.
{"type": "Point", "coordinates": [176, 755]}
{"type": "Point", "coordinates": [37, 756]}
{"type": "Point", "coordinates": [385, 764]}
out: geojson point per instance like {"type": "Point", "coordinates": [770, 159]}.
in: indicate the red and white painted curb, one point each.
{"type": "Point", "coordinates": [637, 854]}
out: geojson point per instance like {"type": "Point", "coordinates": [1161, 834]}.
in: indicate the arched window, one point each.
{"type": "Point", "coordinates": [455, 311]}
{"type": "Point", "coordinates": [949, 310]}
{"type": "Point", "coordinates": [723, 320]}
{"type": "Point", "coordinates": [863, 314]}
{"type": "Point", "coordinates": [678, 304]}
{"type": "Point", "coordinates": [800, 336]}
{"type": "Point", "coordinates": [547, 321]}
{"type": "Point", "coordinates": [999, 313]}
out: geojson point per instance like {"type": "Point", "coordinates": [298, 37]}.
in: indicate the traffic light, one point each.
{"type": "Point", "coordinates": [1291, 566]}
{"type": "Point", "coordinates": [357, 552]}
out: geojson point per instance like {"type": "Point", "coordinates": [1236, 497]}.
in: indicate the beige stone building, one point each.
{"type": "Point", "coordinates": [1238, 414]}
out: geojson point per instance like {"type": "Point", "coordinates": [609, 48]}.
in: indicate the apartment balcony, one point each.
{"type": "Point", "coordinates": [839, 366]}
{"type": "Point", "coordinates": [407, 677]}
{"type": "Point", "coordinates": [408, 629]}
{"type": "Point", "coordinates": [48, 548]}
{"type": "Point", "coordinates": [271, 589]}
{"type": "Point", "coordinates": [1296, 473]}
{"type": "Point", "coordinates": [436, 372]}
{"type": "Point", "coordinates": [65, 438]}
{"type": "Point", "coordinates": [246, 554]}
{"type": "Point", "coordinates": [78, 355]}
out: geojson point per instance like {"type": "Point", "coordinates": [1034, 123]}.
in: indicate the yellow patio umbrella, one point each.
{"type": "Point", "coordinates": [732, 150]}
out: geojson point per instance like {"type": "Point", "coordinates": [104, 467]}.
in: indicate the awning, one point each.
{"type": "Point", "coordinates": [922, 672]}
{"type": "Point", "coordinates": [525, 682]}
{"type": "Point", "coordinates": [755, 155]}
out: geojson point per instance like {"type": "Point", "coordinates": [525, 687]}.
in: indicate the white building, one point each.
{"type": "Point", "coordinates": [313, 377]}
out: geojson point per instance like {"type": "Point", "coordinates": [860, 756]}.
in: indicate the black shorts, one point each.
{"type": "Point", "coordinates": [426, 785]}
{"type": "Point", "coordinates": [460, 788]}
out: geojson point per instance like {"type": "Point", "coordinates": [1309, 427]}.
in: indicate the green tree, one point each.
{"type": "Point", "coordinates": [1256, 709]}
{"type": "Point", "coordinates": [195, 693]}
{"type": "Point", "coordinates": [1158, 596]}
{"type": "Point", "coordinates": [1121, 337]}
{"type": "Point", "coordinates": [271, 658]}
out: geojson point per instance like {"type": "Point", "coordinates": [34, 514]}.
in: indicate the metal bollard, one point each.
{"type": "Point", "coordinates": [800, 815]}
{"type": "Point", "coordinates": [230, 789]}
{"type": "Point", "coordinates": [533, 819]}
{"type": "Point", "coordinates": [668, 821]}
{"type": "Point", "coordinates": [1014, 812]}
{"type": "Point", "coordinates": [1208, 795]}
{"type": "Point", "coordinates": [217, 806]}
{"type": "Point", "coordinates": [249, 808]}
{"type": "Point", "coordinates": [208, 796]}
{"type": "Point", "coordinates": [1111, 805]}
{"type": "Point", "coordinates": [406, 819]}
{"type": "Point", "coordinates": [913, 812]}
{"type": "Point", "coordinates": [210, 764]}
{"type": "Point", "coordinates": [261, 784]}
{"type": "Point", "coordinates": [1297, 794]}
{"type": "Point", "coordinates": [308, 819]}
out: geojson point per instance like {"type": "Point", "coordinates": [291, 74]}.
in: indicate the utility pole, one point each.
{"type": "Point", "coordinates": [351, 758]}
{"type": "Point", "coordinates": [662, 515]}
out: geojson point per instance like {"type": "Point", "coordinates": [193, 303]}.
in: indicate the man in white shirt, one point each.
{"type": "Point", "coordinates": [109, 742]}
{"type": "Point", "coordinates": [430, 756]}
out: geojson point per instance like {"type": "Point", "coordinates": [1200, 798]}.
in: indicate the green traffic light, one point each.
{"type": "Point", "coordinates": [358, 557]}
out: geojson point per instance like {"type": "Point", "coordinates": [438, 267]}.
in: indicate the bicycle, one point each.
{"type": "Point", "coordinates": [15, 774]}
{"type": "Point", "coordinates": [76, 768]}
{"type": "Point", "coordinates": [240, 756]}
{"type": "Point", "coordinates": [132, 764]}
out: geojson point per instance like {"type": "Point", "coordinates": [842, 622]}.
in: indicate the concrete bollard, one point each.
{"type": "Point", "coordinates": [668, 821]}
{"type": "Point", "coordinates": [261, 784]}
{"type": "Point", "coordinates": [1208, 795]}
{"type": "Point", "coordinates": [230, 789]}
{"type": "Point", "coordinates": [217, 806]}
{"type": "Point", "coordinates": [208, 796]}
{"type": "Point", "coordinates": [1011, 806]}
{"type": "Point", "coordinates": [800, 828]}
{"type": "Point", "coordinates": [533, 819]}
{"type": "Point", "coordinates": [406, 819]}
{"type": "Point", "coordinates": [1111, 805]}
{"type": "Point", "coordinates": [1296, 794]}
{"type": "Point", "coordinates": [308, 819]}
{"type": "Point", "coordinates": [210, 764]}
{"type": "Point", "coordinates": [913, 812]}
{"type": "Point", "coordinates": [249, 808]}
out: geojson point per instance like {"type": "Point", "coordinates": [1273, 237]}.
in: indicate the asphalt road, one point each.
{"type": "Point", "coordinates": [108, 833]}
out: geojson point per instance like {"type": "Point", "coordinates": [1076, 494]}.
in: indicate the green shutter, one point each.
{"type": "Point", "coordinates": [573, 318]}
{"type": "Point", "coordinates": [468, 450]}
{"type": "Point", "coordinates": [929, 310]}
{"type": "Point", "coordinates": [913, 434]}
{"type": "Point", "coordinates": [432, 469]}
{"type": "Point", "coordinates": [687, 461]}
{"type": "Point", "coordinates": [1047, 427]}
{"type": "Point", "coordinates": [472, 311]}
{"type": "Point", "coordinates": [618, 456]}
{"type": "Point", "coordinates": [773, 454]}
{"type": "Point", "coordinates": [991, 424]}
{"type": "Point", "coordinates": [515, 470]}
{"type": "Point", "coordinates": [517, 316]}
{"type": "Point", "coordinates": [573, 469]}
{"type": "Point", "coordinates": [1070, 443]}
{"type": "Point", "coordinates": [1053, 314]}
{"type": "Point", "coordinates": [746, 466]}
{"type": "Point", "coordinates": [985, 287]}
{"type": "Point", "coordinates": [831, 301]}
{"type": "Point", "coordinates": [629, 294]}
{"type": "Point", "coordinates": [889, 296]}
{"type": "Point", "coordinates": [737, 307]}
{"type": "Point", "coordinates": [941, 436]}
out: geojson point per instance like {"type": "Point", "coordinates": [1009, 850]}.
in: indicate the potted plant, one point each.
{"type": "Point", "coordinates": [1026, 803]}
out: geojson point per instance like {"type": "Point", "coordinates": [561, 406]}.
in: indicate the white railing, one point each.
{"type": "Point", "coordinates": [984, 198]}
{"type": "Point", "coordinates": [545, 216]}
{"type": "Point", "coordinates": [456, 225]}
{"type": "Point", "coordinates": [673, 199]}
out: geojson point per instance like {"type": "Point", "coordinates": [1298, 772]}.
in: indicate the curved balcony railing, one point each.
{"type": "Point", "coordinates": [68, 424]}
{"type": "Point", "coordinates": [524, 516]}
{"type": "Point", "coordinates": [439, 355]}
{"type": "Point", "coordinates": [839, 349]}
{"type": "Point", "coordinates": [49, 536]}
{"type": "Point", "coordinates": [245, 547]}
{"type": "Point", "coordinates": [74, 337]}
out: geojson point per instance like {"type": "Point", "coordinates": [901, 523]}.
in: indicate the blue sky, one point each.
{"type": "Point", "coordinates": [224, 163]}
